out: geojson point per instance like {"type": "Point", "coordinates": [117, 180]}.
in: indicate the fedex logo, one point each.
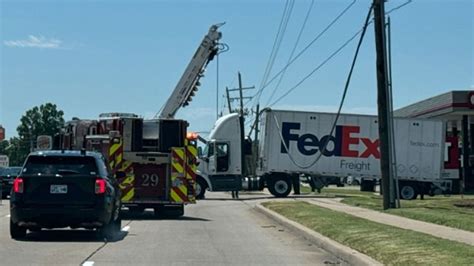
{"type": "Point", "coordinates": [309, 144]}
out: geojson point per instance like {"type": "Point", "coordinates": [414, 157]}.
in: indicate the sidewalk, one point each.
{"type": "Point", "coordinates": [397, 221]}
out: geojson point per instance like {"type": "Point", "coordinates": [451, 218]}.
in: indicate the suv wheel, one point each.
{"type": "Point", "coordinates": [118, 225]}
{"type": "Point", "coordinates": [16, 231]}
{"type": "Point", "coordinates": [111, 230]}
{"type": "Point", "coordinates": [106, 231]}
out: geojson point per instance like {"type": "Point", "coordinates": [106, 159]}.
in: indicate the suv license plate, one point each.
{"type": "Point", "coordinates": [58, 189]}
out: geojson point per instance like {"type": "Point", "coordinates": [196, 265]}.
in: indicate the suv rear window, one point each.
{"type": "Point", "coordinates": [51, 165]}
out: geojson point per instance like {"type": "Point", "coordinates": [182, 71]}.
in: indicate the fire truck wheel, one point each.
{"type": "Point", "coordinates": [179, 211]}
{"type": "Point", "coordinates": [175, 211]}
{"type": "Point", "coordinates": [136, 209]}
{"type": "Point", "coordinates": [169, 211]}
{"type": "Point", "coordinates": [201, 187]}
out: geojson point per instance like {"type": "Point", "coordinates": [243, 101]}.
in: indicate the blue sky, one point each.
{"type": "Point", "coordinates": [90, 57]}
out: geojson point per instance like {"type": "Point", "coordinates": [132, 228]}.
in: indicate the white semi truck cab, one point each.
{"type": "Point", "coordinates": [228, 164]}
{"type": "Point", "coordinates": [220, 164]}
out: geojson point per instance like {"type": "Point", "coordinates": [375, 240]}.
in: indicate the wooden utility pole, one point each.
{"type": "Point", "coordinates": [241, 96]}
{"type": "Point", "coordinates": [256, 122]}
{"type": "Point", "coordinates": [228, 99]}
{"type": "Point", "coordinates": [382, 100]}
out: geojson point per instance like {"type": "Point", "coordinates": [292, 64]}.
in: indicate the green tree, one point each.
{"type": "Point", "coordinates": [12, 148]}
{"type": "Point", "coordinates": [3, 146]}
{"type": "Point", "coordinates": [17, 151]}
{"type": "Point", "coordinates": [43, 120]}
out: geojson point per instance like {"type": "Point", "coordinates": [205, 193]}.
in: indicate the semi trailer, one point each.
{"type": "Point", "coordinates": [292, 144]}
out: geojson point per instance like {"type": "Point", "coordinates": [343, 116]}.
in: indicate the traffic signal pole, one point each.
{"type": "Point", "coordinates": [383, 103]}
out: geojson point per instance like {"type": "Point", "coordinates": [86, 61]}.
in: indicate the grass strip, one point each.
{"type": "Point", "coordinates": [387, 244]}
{"type": "Point", "coordinates": [452, 211]}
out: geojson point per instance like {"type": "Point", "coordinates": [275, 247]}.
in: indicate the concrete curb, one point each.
{"type": "Point", "coordinates": [345, 253]}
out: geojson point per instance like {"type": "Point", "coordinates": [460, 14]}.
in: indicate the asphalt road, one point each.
{"type": "Point", "coordinates": [216, 231]}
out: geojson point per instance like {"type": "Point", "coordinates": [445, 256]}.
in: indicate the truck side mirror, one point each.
{"type": "Point", "coordinates": [199, 152]}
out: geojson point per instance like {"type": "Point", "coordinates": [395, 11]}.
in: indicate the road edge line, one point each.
{"type": "Point", "coordinates": [345, 253]}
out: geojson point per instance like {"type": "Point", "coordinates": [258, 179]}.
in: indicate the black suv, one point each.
{"type": "Point", "coordinates": [59, 189]}
{"type": "Point", "coordinates": [7, 175]}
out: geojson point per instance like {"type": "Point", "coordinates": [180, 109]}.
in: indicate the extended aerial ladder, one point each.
{"type": "Point", "coordinates": [189, 82]}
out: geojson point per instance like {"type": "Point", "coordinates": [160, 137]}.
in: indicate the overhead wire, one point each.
{"type": "Point", "coordinates": [338, 17]}
{"type": "Point", "coordinates": [277, 43]}
{"type": "Point", "coordinates": [292, 51]}
{"type": "Point", "coordinates": [318, 67]}
{"type": "Point", "coordinates": [398, 7]}
{"type": "Point", "coordinates": [337, 51]}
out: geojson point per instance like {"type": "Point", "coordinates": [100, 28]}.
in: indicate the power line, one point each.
{"type": "Point", "coordinates": [318, 67]}
{"type": "Point", "coordinates": [278, 40]}
{"type": "Point", "coordinates": [293, 51]}
{"type": "Point", "coordinates": [336, 52]}
{"type": "Point", "coordinates": [307, 46]}
{"type": "Point", "coordinates": [275, 41]}
{"type": "Point", "coordinates": [398, 7]}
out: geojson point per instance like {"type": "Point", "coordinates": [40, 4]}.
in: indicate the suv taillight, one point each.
{"type": "Point", "coordinates": [100, 186]}
{"type": "Point", "coordinates": [18, 185]}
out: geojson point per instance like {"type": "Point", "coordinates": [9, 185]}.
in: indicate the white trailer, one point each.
{"type": "Point", "coordinates": [294, 143]}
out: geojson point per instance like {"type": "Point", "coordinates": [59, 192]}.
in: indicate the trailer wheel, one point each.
{"type": "Point", "coordinates": [408, 191]}
{"type": "Point", "coordinates": [201, 187]}
{"type": "Point", "coordinates": [367, 185]}
{"type": "Point", "coordinates": [280, 186]}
